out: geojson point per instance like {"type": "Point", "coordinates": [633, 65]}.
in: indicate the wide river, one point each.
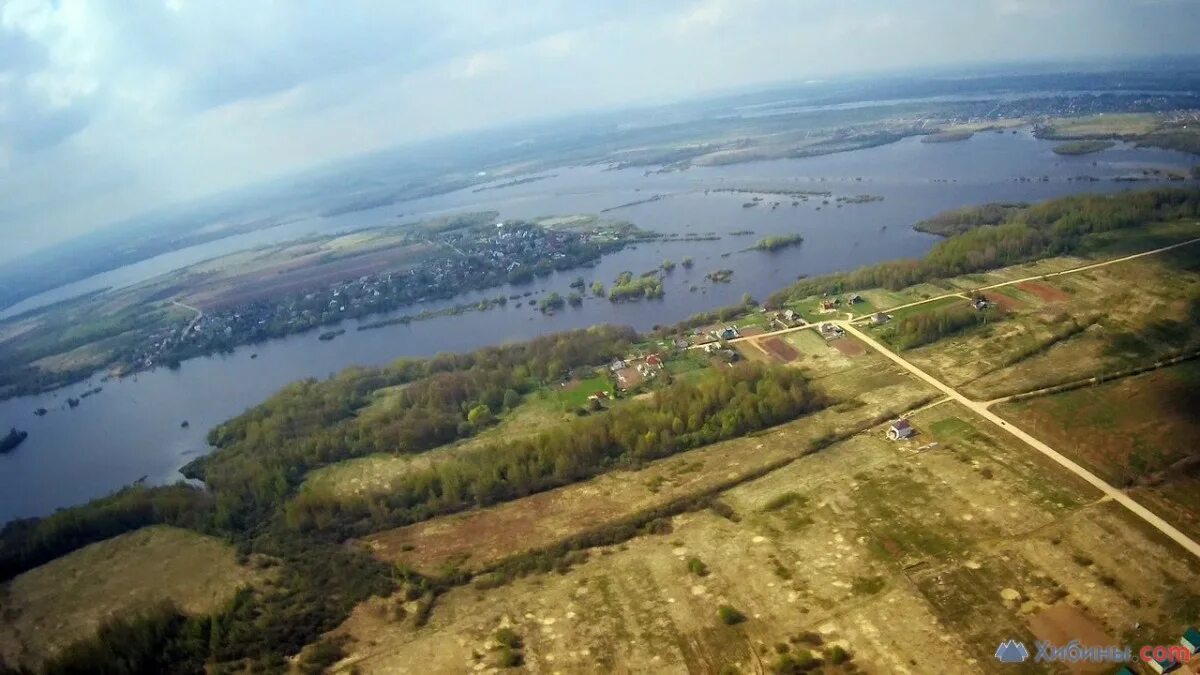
{"type": "Point", "coordinates": [133, 428]}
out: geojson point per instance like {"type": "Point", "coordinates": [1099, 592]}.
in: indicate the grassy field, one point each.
{"type": "Point", "coordinates": [912, 557]}
{"type": "Point", "coordinates": [1069, 327]}
{"type": "Point", "coordinates": [51, 606]}
{"type": "Point", "coordinates": [1138, 432]}
{"type": "Point", "coordinates": [1102, 126]}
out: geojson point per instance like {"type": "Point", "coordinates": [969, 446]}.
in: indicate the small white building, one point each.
{"type": "Point", "coordinates": [900, 429]}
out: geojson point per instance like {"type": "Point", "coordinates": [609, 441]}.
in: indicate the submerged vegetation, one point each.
{"type": "Point", "coordinates": [774, 243]}
{"type": "Point", "coordinates": [1082, 147]}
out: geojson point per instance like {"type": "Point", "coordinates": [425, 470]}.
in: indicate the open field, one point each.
{"type": "Point", "coordinates": [374, 473]}
{"type": "Point", "coordinates": [1138, 431]}
{"type": "Point", "coordinates": [51, 606]}
{"type": "Point", "coordinates": [1101, 126]}
{"type": "Point", "coordinates": [913, 558]}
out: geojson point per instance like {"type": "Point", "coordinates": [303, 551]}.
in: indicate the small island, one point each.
{"type": "Point", "coordinates": [1082, 147]}
{"type": "Point", "coordinates": [329, 335]}
{"type": "Point", "coordinates": [952, 136]}
{"type": "Point", "coordinates": [774, 243]}
{"type": "Point", "coordinates": [719, 276]}
{"type": "Point", "coordinates": [12, 440]}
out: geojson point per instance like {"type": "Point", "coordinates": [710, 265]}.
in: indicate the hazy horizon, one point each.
{"type": "Point", "coordinates": [110, 110]}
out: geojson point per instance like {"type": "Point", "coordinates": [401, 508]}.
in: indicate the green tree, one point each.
{"type": "Point", "coordinates": [480, 416]}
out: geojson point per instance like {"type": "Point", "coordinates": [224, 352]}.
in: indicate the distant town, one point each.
{"type": "Point", "coordinates": [470, 259]}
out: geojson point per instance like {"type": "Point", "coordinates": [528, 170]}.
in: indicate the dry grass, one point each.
{"type": "Point", "coordinates": [1137, 431]}
{"type": "Point", "coordinates": [60, 602]}
{"type": "Point", "coordinates": [908, 556]}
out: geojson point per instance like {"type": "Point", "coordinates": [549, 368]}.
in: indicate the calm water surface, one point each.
{"type": "Point", "coordinates": [133, 428]}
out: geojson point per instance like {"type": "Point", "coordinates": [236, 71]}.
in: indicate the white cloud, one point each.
{"type": "Point", "coordinates": [108, 107]}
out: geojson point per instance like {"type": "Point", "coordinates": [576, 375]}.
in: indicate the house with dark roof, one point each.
{"type": "Point", "coordinates": [900, 429]}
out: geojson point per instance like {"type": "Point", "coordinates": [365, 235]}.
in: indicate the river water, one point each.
{"type": "Point", "coordinates": [133, 428]}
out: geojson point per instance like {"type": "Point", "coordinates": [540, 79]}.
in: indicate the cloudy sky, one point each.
{"type": "Point", "coordinates": [112, 107]}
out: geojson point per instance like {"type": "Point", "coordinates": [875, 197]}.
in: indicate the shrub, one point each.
{"type": "Point", "coordinates": [724, 510]}
{"type": "Point", "coordinates": [837, 655]}
{"type": "Point", "coordinates": [780, 501]}
{"type": "Point", "coordinates": [507, 637]}
{"type": "Point", "coordinates": [867, 585]}
{"type": "Point", "coordinates": [696, 566]}
{"type": "Point", "coordinates": [730, 616]}
{"type": "Point", "coordinates": [801, 661]}
{"type": "Point", "coordinates": [509, 658]}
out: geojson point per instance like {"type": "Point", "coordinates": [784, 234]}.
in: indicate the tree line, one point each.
{"type": "Point", "coordinates": [978, 242]}
{"type": "Point", "coordinates": [684, 415]}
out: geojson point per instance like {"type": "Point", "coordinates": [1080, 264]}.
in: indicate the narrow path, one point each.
{"type": "Point", "coordinates": [1039, 277]}
{"type": "Point", "coordinates": [982, 410]}
{"type": "Point", "coordinates": [1097, 379]}
{"type": "Point", "coordinates": [195, 320]}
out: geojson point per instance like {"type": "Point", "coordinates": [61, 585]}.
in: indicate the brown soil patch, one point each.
{"type": "Point", "coordinates": [751, 332]}
{"type": "Point", "coordinates": [780, 350]}
{"type": "Point", "coordinates": [301, 275]}
{"type": "Point", "coordinates": [849, 346]}
{"type": "Point", "coordinates": [1006, 302]}
{"type": "Point", "coordinates": [1044, 291]}
{"type": "Point", "coordinates": [1062, 623]}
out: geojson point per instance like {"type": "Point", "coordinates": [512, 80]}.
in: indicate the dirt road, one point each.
{"type": "Point", "coordinates": [196, 320]}
{"type": "Point", "coordinates": [962, 294]}
{"type": "Point", "coordinates": [1039, 277]}
{"type": "Point", "coordinates": [982, 410]}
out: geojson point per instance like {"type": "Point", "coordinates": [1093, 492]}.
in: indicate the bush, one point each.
{"type": "Point", "coordinates": [509, 658]}
{"type": "Point", "coordinates": [837, 655]}
{"type": "Point", "coordinates": [724, 510]}
{"type": "Point", "coordinates": [730, 616]}
{"type": "Point", "coordinates": [507, 637]}
{"type": "Point", "coordinates": [696, 566]}
{"type": "Point", "coordinates": [319, 657]}
{"type": "Point", "coordinates": [801, 661]}
{"type": "Point", "coordinates": [780, 501]}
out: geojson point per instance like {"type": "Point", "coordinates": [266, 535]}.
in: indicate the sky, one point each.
{"type": "Point", "coordinates": [110, 108]}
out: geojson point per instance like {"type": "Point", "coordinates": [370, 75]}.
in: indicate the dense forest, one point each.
{"type": "Point", "coordinates": [681, 416]}
{"type": "Point", "coordinates": [978, 242]}
{"type": "Point", "coordinates": [265, 452]}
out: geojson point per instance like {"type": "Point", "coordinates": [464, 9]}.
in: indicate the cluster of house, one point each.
{"type": "Point", "coordinates": [630, 373]}
{"type": "Point", "coordinates": [478, 256]}
{"type": "Point", "coordinates": [787, 318]}
{"type": "Point", "coordinates": [830, 304]}
{"type": "Point", "coordinates": [726, 333]}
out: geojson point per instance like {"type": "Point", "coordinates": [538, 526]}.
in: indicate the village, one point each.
{"type": "Point", "coordinates": [467, 259]}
